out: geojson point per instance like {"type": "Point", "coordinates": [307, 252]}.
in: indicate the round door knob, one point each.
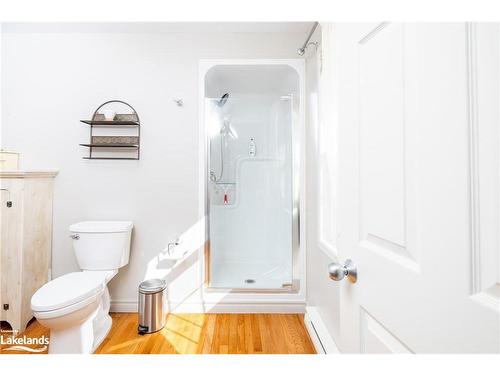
{"type": "Point", "coordinates": [338, 271]}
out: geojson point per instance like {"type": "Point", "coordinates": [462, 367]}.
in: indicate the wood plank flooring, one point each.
{"type": "Point", "coordinates": [203, 334]}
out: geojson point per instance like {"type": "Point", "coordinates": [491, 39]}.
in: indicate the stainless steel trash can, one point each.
{"type": "Point", "coordinates": [152, 306]}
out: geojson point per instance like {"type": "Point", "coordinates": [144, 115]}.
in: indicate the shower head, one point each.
{"type": "Point", "coordinates": [223, 100]}
{"type": "Point", "coordinates": [301, 51]}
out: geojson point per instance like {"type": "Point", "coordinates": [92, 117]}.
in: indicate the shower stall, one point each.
{"type": "Point", "coordinates": [252, 115]}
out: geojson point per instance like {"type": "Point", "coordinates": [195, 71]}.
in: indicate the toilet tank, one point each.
{"type": "Point", "coordinates": [101, 245]}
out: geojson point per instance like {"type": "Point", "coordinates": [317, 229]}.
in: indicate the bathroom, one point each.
{"type": "Point", "coordinates": [162, 193]}
{"type": "Point", "coordinates": [275, 177]}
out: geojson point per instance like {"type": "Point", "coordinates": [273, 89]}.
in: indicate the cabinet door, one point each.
{"type": "Point", "coordinates": [37, 240]}
{"type": "Point", "coordinates": [11, 250]}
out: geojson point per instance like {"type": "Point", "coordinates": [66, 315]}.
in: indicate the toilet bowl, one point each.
{"type": "Point", "coordinates": [75, 306]}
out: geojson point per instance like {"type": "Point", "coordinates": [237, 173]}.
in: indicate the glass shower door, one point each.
{"type": "Point", "coordinates": [250, 191]}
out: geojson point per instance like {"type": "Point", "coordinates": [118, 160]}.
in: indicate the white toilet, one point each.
{"type": "Point", "coordinates": [76, 306]}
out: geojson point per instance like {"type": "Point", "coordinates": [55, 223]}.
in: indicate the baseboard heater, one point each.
{"type": "Point", "coordinates": [321, 338]}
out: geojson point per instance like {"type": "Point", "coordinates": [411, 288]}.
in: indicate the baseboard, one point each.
{"type": "Point", "coordinates": [123, 306]}
{"type": "Point", "coordinates": [321, 338]}
{"type": "Point", "coordinates": [289, 308]}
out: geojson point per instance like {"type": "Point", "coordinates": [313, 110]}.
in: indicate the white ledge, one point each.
{"type": "Point", "coordinates": [28, 174]}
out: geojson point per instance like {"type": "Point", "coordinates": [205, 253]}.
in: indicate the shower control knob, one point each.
{"type": "Point", "coordinates": [338, 271]}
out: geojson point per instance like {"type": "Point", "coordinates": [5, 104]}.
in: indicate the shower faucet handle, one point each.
{"type": "Point", "coordinates": [170, 245]}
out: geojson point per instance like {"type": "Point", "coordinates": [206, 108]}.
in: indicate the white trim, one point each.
{"type": "Point", "coordinates": [473, 158]}
{"type": "Point", "coordinates": [254, 297]}
{"type": "Point", "coordinates": [28, 174]}
{"type": "Point", "coordinates": [326, 149]}
{"type": "Point", "coordinates": [125, 306]}
{"type": "Point", "coordinates": [313, 335]}
{"type": "Point", "coordinates": [321, 338]}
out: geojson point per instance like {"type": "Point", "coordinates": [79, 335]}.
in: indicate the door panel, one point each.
{"type": "Point", "coordinates": [413, 104]}
{"type": "Point", "coordinates": [376, 339]}
{"type": "Point", "coordinates": [382, 181]}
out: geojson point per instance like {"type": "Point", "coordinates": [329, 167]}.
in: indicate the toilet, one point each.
{"type": "Point", "coordinates": [75, 306]}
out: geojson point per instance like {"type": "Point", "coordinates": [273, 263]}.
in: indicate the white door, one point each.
{"type": "Point", "coordinates": [418, 186]}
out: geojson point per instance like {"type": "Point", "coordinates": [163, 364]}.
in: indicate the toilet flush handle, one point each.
{"type": "Point", "coordinates": [75, 236]}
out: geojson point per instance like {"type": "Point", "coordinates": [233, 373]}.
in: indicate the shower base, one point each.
{"type": "Point", "coordinates": [249, 275]}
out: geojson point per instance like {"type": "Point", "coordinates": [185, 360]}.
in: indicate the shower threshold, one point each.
{"type": "Point", "coordinates": [249, 276]}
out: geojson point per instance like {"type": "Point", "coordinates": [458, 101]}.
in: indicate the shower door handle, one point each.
{"type": "Point", "coordinates": [338, 271]}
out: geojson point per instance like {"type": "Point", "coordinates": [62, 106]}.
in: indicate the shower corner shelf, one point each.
{"type": "Point", "coordinates": [112, 143]}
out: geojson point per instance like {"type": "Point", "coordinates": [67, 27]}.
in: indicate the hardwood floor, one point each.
{"type": "Point", "coordinates": [203, 334]}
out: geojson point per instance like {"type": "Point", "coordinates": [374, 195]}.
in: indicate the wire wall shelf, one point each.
{"type": "Point", "coordinates": [111, 143]}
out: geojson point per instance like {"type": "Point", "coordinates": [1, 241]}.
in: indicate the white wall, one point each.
{"type": "Point", "coordinates": [52, 80]}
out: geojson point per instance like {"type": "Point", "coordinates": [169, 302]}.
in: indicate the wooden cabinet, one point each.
{"type": "Point", "coordinates": [25, 242]}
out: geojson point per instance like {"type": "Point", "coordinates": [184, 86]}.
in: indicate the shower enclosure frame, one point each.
{"type": "Point", "coordinates": [280, 300]}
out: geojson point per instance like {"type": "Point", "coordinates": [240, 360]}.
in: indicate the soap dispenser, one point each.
{"type": "Point", "coordinates": [251, 148]}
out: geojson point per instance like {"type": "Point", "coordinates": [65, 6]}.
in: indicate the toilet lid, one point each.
{"type": "Point", "coordinates": [67, 290]}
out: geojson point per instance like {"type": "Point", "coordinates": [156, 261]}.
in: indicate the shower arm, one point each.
{"type": "Point", "coordinates": [302, 49]}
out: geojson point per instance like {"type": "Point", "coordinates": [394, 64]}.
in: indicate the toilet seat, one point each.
{"type": "Point", "coordinates": [58, 313]}
{"type": "Point", "coordinates": [68, 292]}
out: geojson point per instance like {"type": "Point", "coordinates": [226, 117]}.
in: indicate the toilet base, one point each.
{"type": "Point", "coordinates": [76, 339]}
{"type": "Point", "coordinates": [85, 336]}
{"type": "Point", "coordinates": [101, 330]}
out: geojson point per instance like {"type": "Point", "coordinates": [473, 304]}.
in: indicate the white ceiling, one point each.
{"type": "Point", "coordinates": [159, 27]}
